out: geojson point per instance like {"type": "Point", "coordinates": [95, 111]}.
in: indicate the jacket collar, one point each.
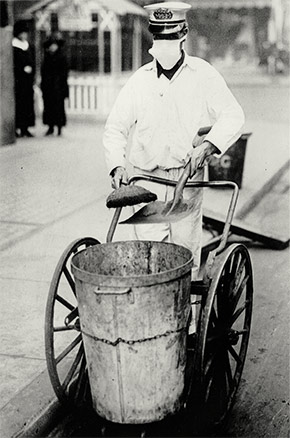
{"type": "Point", "coordinates": [171, 72]}
{"type": "Point", "coordinates": [188, 61]}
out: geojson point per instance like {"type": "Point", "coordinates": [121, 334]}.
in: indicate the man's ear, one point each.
{"type": "Point", "coordinates": [185, 30]}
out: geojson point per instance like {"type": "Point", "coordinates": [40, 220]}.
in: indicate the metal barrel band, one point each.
{"type": "Point", "coordinates": [132, 342]}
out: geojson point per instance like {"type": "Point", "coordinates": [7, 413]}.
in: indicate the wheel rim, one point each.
{"type": "Point", "coordinates": [224, 334]}
{"type": "Point", "coordinates": [64, 348]}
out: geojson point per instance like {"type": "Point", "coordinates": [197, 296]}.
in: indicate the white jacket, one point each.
{"type": "Point", "coordinates": [165, 116]}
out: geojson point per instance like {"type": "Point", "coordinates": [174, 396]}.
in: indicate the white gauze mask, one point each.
{"type": "Point", "coordinates": [166, 52]}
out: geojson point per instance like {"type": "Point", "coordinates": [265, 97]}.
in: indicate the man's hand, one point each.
{"type": "Point", "coordinates": [201, 155]}
{"type": "Point", "coordinates": [119, 176]}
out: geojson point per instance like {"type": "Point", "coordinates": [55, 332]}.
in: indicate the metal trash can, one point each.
{"type": "Point", "coordinates": [230, 166]}
{"type": "Point", "coordinates": [134, 308]}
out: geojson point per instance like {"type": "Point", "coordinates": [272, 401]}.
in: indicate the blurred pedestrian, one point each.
{"type": "Point", "coordinates": [54, 84]}
{"type": "Point", "coordinates": [24, 70]}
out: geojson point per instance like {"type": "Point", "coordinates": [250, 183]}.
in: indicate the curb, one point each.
{"type": "Point", "coordinates": [254, 200]}
{"type": "Point", "coordinates": [32, 411]}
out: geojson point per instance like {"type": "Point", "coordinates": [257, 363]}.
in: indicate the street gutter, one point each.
{"type": "Point", "coordinates": [32, 412]}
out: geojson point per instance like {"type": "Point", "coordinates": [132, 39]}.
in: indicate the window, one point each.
{"type": "Point", "coordinates": [107, 51]}
{"type": "Point", "coordinates": [127, 42]}
{"type": "Point", "coordinates": [54, 22]}
{"type": "Point", "coordinates": [82, 49]}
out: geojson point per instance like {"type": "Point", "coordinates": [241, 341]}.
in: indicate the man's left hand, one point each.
{"type": "Point", "coordinates": [201, 155]}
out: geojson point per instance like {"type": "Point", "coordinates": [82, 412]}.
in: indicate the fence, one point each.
{"type": "Point", "coordinates": [93, 94]}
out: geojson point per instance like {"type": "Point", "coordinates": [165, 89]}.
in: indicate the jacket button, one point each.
{"type": "Point", "coordinates": [161, 94]}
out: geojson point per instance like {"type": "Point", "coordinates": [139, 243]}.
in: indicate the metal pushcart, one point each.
{"type": "Point", "coordinates": [216, 353]}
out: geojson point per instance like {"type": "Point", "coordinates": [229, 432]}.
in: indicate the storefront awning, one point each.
{"type": "Point", "coordinates": [119, 7]}
{"type": "Point", "coordinates": [229, 4]}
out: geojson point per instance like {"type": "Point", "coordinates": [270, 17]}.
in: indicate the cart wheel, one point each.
{"type": "Point", "coordinates": [64, 350]}
{"type": "Point", "coordinates": [224, 330]}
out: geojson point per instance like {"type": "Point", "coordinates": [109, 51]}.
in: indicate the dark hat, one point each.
{"type": "Point", "coordinates": [19, 27]}
{"type": "Point", "coordinates": [168, 19]}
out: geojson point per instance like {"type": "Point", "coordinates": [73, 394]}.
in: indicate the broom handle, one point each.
{"type": "Point", "coordinates": [178, 191]}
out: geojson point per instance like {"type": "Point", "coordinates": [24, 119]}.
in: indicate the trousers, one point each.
{"type": "Point", "coordinates": [185, 232]}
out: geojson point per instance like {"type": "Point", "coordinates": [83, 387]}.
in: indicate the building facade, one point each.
{"type": "Point", "coordinates": [107, 36]}
{"type": "Point", "coordinates": [106, 40]}
{"type": "Point", "coordinates": [101, 36]}
{"type": "Point", "coordinates": [240, 32]}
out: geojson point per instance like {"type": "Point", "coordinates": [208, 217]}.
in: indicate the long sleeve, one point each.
{"type": "Point", "coordinates": [117, 128]}
{"type": "Point", "coordinates": [227, 115]}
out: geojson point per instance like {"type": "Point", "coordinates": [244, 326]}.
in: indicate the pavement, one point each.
{"type": "Point", "coordinates": [53, 190]}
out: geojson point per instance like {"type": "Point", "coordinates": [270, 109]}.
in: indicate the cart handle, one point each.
{"type": "Point", "coordinates": [192, 184]}
{"type": "Point", "coordinates": [195, 184]}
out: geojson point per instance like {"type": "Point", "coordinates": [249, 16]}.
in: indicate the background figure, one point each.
{"type": "Point", "coordinates": [24, 78]}
{"type": "Point", "coordinates": [54, 86]}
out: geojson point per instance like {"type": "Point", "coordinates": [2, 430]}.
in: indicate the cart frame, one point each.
{"type": "Point", "coordinates": [216, 353]}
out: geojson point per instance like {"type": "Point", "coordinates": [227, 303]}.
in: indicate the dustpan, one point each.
{"type": "Point", "coordinates": [174, 210]}
{"type": "Point", "coordinates": [171, 211]}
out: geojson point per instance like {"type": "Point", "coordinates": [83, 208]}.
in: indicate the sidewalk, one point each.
{"type": "Point", "coordinates": [53, 191]}
{"type": "Point", "coordinates": [251, 75]}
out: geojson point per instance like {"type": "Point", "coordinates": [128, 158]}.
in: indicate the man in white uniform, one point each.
{"type": "Point", "coordinates": [163, 105]}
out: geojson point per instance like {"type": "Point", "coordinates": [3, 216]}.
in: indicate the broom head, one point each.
{"type": "Point", "coordinates": [129, 195]}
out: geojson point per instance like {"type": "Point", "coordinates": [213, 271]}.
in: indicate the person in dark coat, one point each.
{"type": "Point", "coordinates": [24, 71]}
{"type": "Point", "coordinates": [54, 85]}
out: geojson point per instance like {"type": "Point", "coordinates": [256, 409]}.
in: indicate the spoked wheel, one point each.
{"type": "Point", "coordinates": [224, 330]}
{"type": "Point", "coordinates": [64, 348]}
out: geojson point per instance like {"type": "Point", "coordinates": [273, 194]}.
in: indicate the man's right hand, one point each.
{"type": "Point", "coordinates": [119, 176]}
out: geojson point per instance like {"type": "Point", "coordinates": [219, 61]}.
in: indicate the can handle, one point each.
{"type": "Point", "coordinates": [110, 291]}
